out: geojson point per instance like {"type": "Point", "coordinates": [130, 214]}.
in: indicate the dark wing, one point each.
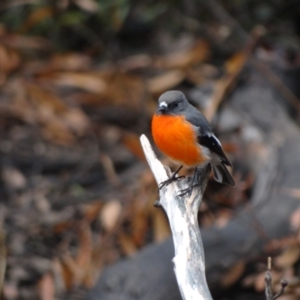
{"type": "Point", "coordinates": [205, 134]}
{"type": "Point", "coordinates": [214, 145]}
{"type": "Point", "coordinates": [222, 175]}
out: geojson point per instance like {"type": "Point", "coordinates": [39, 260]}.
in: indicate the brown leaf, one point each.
{"type": "Point", "coordinates": [259, 283]}
{"type": "Point", "coordinates": [292, 192]}
{"type": "Point", "coordinates": [69, 62]}
{"type": "Point", "coordinates": [46, 287]}
{"type": "Point", "coordinates": [38, 15]}
{"type": "Point", "coordinates": [165, 81]}
{"type": "Point", "coordinates": [91, 211]}
{"type": "Point", "coordinates": [9, 59]}
{"type": "Point", "coordinates": [196, 54]}
{"type": "Point", "coordinates": [58, 276]}
{"type": "Point", "coordinates": [135, 62]}
{"type": "Point", "coordinates": [87, 81]}
{"type": "Point", "coordinates": [161, 228]}
{"type": "Point", "coordinates": [295, 219]}
{"type": "Point", "coordinates": [233, 68]}
{"type": "Point", "coordinates": [110, 214]}
{"type": "Point", "coordinates": [76, 120]}
{"type": "Point", "coordinates": [127, 244]}
{"type": "Point", "coordinates": [83, 259]}
{"type": "Point", "coordinates": [70, 271]}
{"type": "Point", "coordinates": [288, 257]}
{"type": "Point", "coordinates": [234, 64]}
{"type": "Point", "coordinates": [18, 41]}
{"type": "Point", "coordinates": [109, 169]}
{"type": "Point", "coordinates": [87, 5]}
{"type": "Point", "coordinates": [231, 276]}
{"type": "Point", "coordinates": [13, 178]}
{"type": "Point", "coordinates": [59, 121]}
{"type": "Point", "coordinates": [132, 142]}
{"type": "Point", "coordinates": [2, 257]}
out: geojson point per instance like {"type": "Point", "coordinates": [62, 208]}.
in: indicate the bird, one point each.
{"type": "Point", "coordinates": [184, 135]}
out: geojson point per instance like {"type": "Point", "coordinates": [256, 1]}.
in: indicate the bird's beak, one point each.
{"type": "Point", "coordinates": [162, 108]}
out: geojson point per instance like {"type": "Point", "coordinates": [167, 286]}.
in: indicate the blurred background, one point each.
{"type": "Point", "coordinates": [79, 82]}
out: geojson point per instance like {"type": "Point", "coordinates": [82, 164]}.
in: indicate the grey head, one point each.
{"type": "Point", "coordinates": [172, 103]}
{"type": "Point", "coordinates": [175, 103]}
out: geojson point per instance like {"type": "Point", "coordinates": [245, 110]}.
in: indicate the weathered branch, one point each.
{"type": "Point", "coordinates": [268, 280]}
{"type": "Point", "coordinates": [182, 213]}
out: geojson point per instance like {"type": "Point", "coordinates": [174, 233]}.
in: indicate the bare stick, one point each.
{"type": "Point", "coordinates": [2, 255]}
{"type": "Point", "coordinates": [189, 264]}
{"type": "Point", "coordinates": [268, 280]}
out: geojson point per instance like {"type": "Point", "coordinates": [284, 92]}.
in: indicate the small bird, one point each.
{"type": "Point", "coordinates": [183, 134]}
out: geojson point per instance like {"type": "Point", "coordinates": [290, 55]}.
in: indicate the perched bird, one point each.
{"type": "Point", "coordinates": [183, 134]}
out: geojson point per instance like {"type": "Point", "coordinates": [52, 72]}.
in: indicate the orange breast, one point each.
{"type": "Point", "coordinates": [174, 136]}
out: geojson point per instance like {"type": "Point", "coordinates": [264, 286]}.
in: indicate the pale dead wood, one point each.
{"type": "Point", "coordinates": [268, 280]}
{"type": "Point", "coordinates": [2, 257]}
{"type": "Point", "coordinates": [182, 213]}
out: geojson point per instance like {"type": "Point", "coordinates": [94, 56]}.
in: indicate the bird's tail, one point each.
{"type": "Point", "coordinates": [222, 175]}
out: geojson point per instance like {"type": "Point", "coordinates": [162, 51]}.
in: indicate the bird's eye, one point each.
{"type": "Point", "coordinates": [175, 104]}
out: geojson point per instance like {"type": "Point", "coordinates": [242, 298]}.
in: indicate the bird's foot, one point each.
{"type": "Point", "coordinates": [188, 191]}
{"type": "Point", "coordinates": [170, 180]}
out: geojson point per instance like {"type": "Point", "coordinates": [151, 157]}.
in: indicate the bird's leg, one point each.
{"type": "Point", "coordinates": [171, 179]}
{"type": "Point", "coordinates": [189, 189]}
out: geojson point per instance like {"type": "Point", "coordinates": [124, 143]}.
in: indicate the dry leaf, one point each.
{"type": "Point", "coordinates": [87, 5]}
{"type": "Point", "coordinates": [295, 219]}
{"type": "Point", "coordinates": [13, 178]}
{"type": "Point", "coordinates": [76, 120]}
{"type": "Point", "coordinates": [165, 81]}
{"type": "Point", "coordinates": [70, 62]}
{"type": "Point", "coordinates": [223, 218]}
{"type": "Point", "coordinates": [10, 291]}
{"type": "Point", "coordinates": [234, 274]}
{"type": "Point", "coordinates": [38, 15]}
{"type": "Point", "coordinates": [58, 276]}
{"type": "Point", "coordinates": [236, 62]}
{"type": "Point", "coordinates": [2, 257]}
{"type": "Point", "coordinates": [288, 257]}
{"type": "Point", "coordinates": [109, 169]}
{"type": "Point", "coordinates": [135, 62]}
{"type": "Point", "coordinates": [128, 246]}
{"type": "Point", "coordinates": [17, 41]}
{"type": "Point", "coordinates": [233, 68]}
{"type": "Point", "coordinates": [91, 211]}
{"type": "Point", "coordinates": [59, 121]}
{"type": "Point", "coordinates": [292, 192]}
{"type": "Point", "coordinates": [132, 142]}
{"type": "Point", "coordinates": [259, 283]}
{"type": "Point", "coordinates": [83, 258]}
{"type": "Point", "coordinates": [88, 81]}
{"type": "Point", "coordinates": [249, 280]}
{"type": "Point", "coordinates": [70, 270]}
{"type": "Point", "coordinates": [161, 228]}
{"type": "Point", "coordinates": [46, 287]}
{"type": "Point", "coordinates": [196, 54]}
{"type": "Point", "coordinates": [110, 214]}
{"type": "Point", "coordinates": [9, 59]}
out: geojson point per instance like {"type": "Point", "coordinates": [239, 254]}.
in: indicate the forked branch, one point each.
{"type": "Point", "coordinates": [189, 264]}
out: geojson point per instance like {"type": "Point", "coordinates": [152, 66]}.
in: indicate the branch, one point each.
{"type": "Point", "coordinates": [268, 280]}
{"type": "Point", "coordinates": [182, 213]}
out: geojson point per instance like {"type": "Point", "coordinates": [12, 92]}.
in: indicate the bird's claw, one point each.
{"type": "Point", "coordinates": [187, 190]}
{"type": "Point", "coordinates": [183, 192]}
{"type": "Point", "coordinates": [169, 180]}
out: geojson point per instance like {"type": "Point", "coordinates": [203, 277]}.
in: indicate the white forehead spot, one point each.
{"type": "Point", "coordinates": [163, 104]}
